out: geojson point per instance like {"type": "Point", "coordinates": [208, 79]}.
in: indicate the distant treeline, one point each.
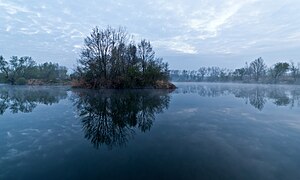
{"type": "Point", "coordinates": [111, 59]}
{"type": "Point", "coordinates": [24, 70]}
{"type": "Point", "coordinates": [255, 72]}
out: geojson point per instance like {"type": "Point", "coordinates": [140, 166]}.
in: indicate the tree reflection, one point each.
{"type": "Point", "coordinates": [255, 95]}
{"type": "Point", "coordinates": [109, 117]}
{"type": "Point", "coordinates": [25, 99]}
{"type": "Point", "coordinates": [280, 97]}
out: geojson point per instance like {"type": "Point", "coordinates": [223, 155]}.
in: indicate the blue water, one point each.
{"type": "Point", "coordinates": [198, 131]}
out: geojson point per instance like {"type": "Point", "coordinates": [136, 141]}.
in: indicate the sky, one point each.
{"type": "Point", "coordinates": [187, 34]}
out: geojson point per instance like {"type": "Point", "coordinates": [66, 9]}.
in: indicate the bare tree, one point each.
{"type": "Point", "coordinates": [294, 71]}
{"type": "Point", "coordinates": [97, 55]}
{"type": "Point", "coordinates": [202, 71]}
{"type": "Point", "coordinates": [110, 58]}
{"type": "Point", "coordinates": [258, 68]}
{"type": "Point", "coordinates": [145, 53]}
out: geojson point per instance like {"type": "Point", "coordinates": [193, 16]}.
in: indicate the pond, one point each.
{"type": "Point", "coordinates": [198, 131]}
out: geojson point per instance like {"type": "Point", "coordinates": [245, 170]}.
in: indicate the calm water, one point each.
{"type": "Point", "coordinates": [199, 131]}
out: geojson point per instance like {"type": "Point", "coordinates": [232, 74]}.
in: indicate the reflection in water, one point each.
{"type": "Point", "coordinates": [109, 117]}
{"type": "Point", "coordinates": [256, 95]}
{"type": "Point", "coordinates": [25, 98]}
{"type": "Point", "coordinates": [198, 137]}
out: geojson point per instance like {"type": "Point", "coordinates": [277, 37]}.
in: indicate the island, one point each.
{"type": "Point", "coordinates": [110, 58]}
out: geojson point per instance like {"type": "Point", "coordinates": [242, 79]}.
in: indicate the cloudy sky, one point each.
{"type": "Point", "coordinates": [186, 33]}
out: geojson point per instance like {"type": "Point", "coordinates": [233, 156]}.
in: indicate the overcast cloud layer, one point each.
{"type": "Point", "coordinates": [186, 33]}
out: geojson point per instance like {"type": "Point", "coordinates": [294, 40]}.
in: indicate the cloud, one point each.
{"type": "Point", "coordinates": [28, 31]}
{"type": "Point", "coordinates": [208, 28]}
{"type": "Point", "coordinates": [176, 45]}
{"type": "Point", "coordinates": [8, 28]}
{"type": "Point", "coordinates": [13, 8]}
{"type": "Point", "coordinates": [67, 11]}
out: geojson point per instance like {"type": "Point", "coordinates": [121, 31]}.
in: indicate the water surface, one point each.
{"type": "Point", "coordinates": [198, 131]}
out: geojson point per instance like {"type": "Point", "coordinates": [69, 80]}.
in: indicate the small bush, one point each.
{"type": "Point", "coordinates": [21, 81]}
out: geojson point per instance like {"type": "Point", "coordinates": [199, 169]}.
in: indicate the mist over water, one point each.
{"type": "Point", "coordinates": [198, 131]}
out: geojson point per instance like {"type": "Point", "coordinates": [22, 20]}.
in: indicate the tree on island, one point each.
{"type": "Point", "coordinates": [111, 59]}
